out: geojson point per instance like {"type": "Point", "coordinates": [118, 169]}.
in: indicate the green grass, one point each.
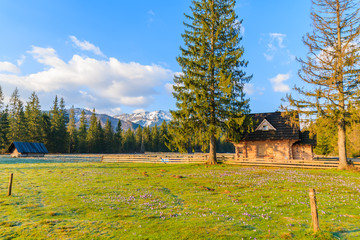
{"type": "Point", "coordinates": [92, 200]}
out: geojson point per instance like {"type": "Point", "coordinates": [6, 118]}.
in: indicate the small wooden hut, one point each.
{"type": "Point", "coordinates": [275, 138]}
{"type": "Point", "coordinates": [27, 149]}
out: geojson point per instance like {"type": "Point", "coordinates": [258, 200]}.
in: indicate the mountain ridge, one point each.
{"type": "Point", "coordinates": [132, 120]}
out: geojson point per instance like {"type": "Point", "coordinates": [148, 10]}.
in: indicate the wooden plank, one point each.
{"type": "Point", "coordinates": [285, 166]}
{"type": "Point", "coordinates": [294, 163]}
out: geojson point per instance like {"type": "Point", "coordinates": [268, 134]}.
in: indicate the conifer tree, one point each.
{"type": "Point", "coordinates": [58, 141]}
{"type": "Point", "coordinates": [154, 139]}
{"type": "Point", "coordinates": [4, 129]}
{"type": "Point", "coordinates": [46, 129]}
{"type": "Point", "coordinates": [92, 133]}
{"type": "Point", "coordinates": [163, 132]}
{"type": "Point", "coordinates": [118, 138]}
{"type": "Point", "coordinates": [2, 121]}
{"type": "Point", "coordinates": [63, 134]}
{"type": "Point", "coordinates": [146, 142]}
{"type": "Point", "coordinates": [33, 115]}
{"type": "Point", "coordinates": [99, 143]}
{"type": "Point", "coordinates": [138, 139]}
{"type": "Point", "coordinates": [108, 137]}
{"type": "Point", "coordinates": [331, 68]}
{"type": "Point", "coordinates": [16, 118]}
{"type": "Point", "coordinates": [83, 146]}
{"type": "Point", "coordinates": [209, 92]}
{"type": "Point", "coordinates": [129, 141]}
{"type": "Point", "coordinates": [72, 132]}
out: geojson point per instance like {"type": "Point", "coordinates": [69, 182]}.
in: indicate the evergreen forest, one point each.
{"type": "Point", "coordinates": [57, 130]}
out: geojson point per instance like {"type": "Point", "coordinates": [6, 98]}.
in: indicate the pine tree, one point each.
{"type": "Point", "coordinates": [138, 139]}
{"type": "Point", "coordinates": [154, 139]}
{"type": "Point", "coordinates": [331, 68]}
{"type": "Point", "coordinates": [72, 132]}
{"type": "Point", "coordinates": [99, 143]}
{"type": "Point", "coordinates": [83, 146]}
{"type": "Point", "coordinates": [58, 121]}
{"type": "Point", "coordinates": [209, 92]}
{"type": "Point", "coordinates": [129, 141]}
{"type": "Point", "coordinates": [163, 133]}
{"type": "Point", "coordinates": [3, 121]}
{"type": "Point", "coordinates": [46, 129]}
{"type": "Point", "coordinates": [63, 134]}
{"type": "Point", "coordinates": [4, 124]}
{"type": "Point", "coordinates": [16, 118]}
{"type": "Point", "coordinates": [34, 131]}
{"type": "Point", "coordinates": [146, 142]}
{"type": "Point", "coordinates": [4, 129]}
{"type": "Point", "coordinates": [118, 145]}
{"type": "Point", "coordinates": [108, 137]}
{"type": "Point", "coordinates": [92, 133]}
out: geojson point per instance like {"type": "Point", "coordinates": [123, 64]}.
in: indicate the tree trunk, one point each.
{"type": "Point", "coordinates": [343, 163]}
{"type": "Point", "coordinates": [212, 152]}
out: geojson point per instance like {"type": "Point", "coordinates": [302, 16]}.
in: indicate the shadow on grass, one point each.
{"type": "Point", "coordinates": [345, 231]}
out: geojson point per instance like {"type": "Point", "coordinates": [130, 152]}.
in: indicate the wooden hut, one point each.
{"type": "Point", "coordinates": [27, 149]}
{"type": "Point", "coordinates": [275, 138]}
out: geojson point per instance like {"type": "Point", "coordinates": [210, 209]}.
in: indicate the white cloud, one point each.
{"type": "Point", "coordinates": [151, 16]}
{"type": "Point", "coordinates": [249, 88]}
{"type": "Point", "coordinates": [278, 83]}
{"type": "Point", "coordinates": [86, 46]}
{"type": "Point", "coordinates": [268, 57]}
{"type": "Point", "coordinates": [116, 111]}
{"type": "Point", "coordinates": [275, 47]}
{"type": "Point", "coordinates": [21, 60]}
{"type": "Point", "coordinates": [109, 83]}
{"type": "Point", "coordinates": [140, 110]}
{"type": "Point", "coordinates": [169, 88]}
{"type": "Point", "coordinates": [9, 67]}
{"type": "Point", "coordinates": [279, 38]}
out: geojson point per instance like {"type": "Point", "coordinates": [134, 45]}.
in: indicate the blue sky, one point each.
{"type": "Point", "coordinates": [120, 56]}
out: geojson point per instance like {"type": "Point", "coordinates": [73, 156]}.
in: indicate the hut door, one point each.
{"type": "Point", "coordinates": [261, 151]}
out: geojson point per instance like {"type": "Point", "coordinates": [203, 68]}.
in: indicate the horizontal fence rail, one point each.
{"type": "Point", "coordinates": [156, 158]}
{"type": "Point", "coordinates": [227, 158]}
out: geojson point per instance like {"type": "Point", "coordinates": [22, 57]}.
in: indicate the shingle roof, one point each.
{"type": "Point", "coordinates": [27, 147]}
{"type": "Point", "coordinates": [283, 129]}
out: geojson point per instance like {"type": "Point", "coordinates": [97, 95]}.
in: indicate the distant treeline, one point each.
{"type": "Point", "coordinates": [58, 132]}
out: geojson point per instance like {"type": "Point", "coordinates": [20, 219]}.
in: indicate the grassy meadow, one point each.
{"type": "Point", "coordinates": [57, 199]}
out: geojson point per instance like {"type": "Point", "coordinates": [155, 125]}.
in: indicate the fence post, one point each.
{"type": "Point", "coordinates": [10, 184]}
{"type": "Point", "coordinates": [314, 212]}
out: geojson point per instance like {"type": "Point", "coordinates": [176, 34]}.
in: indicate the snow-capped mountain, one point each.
{"type": "Point", "coordinates": [131, 121]}
{"type": "Point", "coordinates": [125, 124]}
{"type": "Point", "coordinates": [146, 119]}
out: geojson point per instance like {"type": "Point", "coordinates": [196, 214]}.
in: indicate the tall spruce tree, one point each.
{"type": "Point", "coordinates": [92, 133]}
{"type": "Point", "coordinates": [72, 132]}
{"type": "Point", "coordinates": [118, 145]}
{"type": "Point", "coordinates": [209, 92]}
{"type": "Point", "coordinates": [4, 124]}
{"type": "Point", "coordinates": [138, 139]}
{"type": "Point", "coordinates": [154, 139]}
{"type": "Point", "coordinates": [99, 141]}
{"type": "Point", "coordinates": [34, 131]}
{"type": "Point", "coordinates": [163, 132]}
{"type": "Point", "coordinates": [16, 118]}
{"type": "Point", "coordinates": [129, 141]}
{"type": "Point", "coordinates": [146, 140]}
{"type": "Point", "coordinates": [331, 68]}
{"type": "Point", "coordinates": [46, 129]}
{"type": "Point", "coordinates": [108, 137]}
{"type": "Point", "coordinates": [83, 146]}
{"type": "Point", "coordinates": [58, 127]}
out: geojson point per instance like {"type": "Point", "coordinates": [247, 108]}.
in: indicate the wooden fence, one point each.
{"type": "Point", "coordinates": [165, 158]}
{"type": "Point", "coordinates": [227, 158]}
